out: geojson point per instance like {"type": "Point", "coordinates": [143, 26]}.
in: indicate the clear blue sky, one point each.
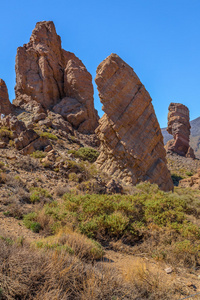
{"type": "Point", "coordinates": [160, 39]}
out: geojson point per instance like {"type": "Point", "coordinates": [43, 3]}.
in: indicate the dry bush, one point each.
{"type": "Point", "coordinates": [26, 274]}
{"type": "Point", "coordinates": [34, 274]}
{"type": "Point", "coordinates": [27, 163]}
{"type": "Point", "coordinates": [74, 243]}
{"type": "Point", "coordinates": [151, 280]}
{"type": "Point", "coordinates": [61, 190]}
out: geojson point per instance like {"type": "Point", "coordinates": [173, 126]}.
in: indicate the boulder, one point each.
{"type": "Point", "coordinates": [50, 76]}
{"type": "Point", "coordinates": [13, 124]}
{"type": "Point", "coordinates": [38, 144]}
{"type": "Point", "coordinates": [5, 105]}
{"type": "Point", "coordinates": [25, 138]}
{"type": "Point", "coordinates": [132, 148]}
{"type": "Point", "coordinates": [179, 127]}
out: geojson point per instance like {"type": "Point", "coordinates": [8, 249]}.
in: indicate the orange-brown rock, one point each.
{"type": "Point", "coordinates": [55, 78]}
{"type": "Point", "coordinates": [25, 140]}
{"type": "Point", "coordinates": [131, 141]}
{"type": "Point", "coordinates": [5, 105]}
{"type": "Point", "coordinates": [179, 127]}
{"type": "Point", "coordinates": [193, 181]}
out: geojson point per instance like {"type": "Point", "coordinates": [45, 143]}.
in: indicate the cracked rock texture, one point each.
{"type": "Point", "coordinates": [55, 78]}
{"type": "Point", "coordinates": [179, 127]}
{"type": "Point", "coordinates": [5, 105]}
{"type": "Point", "coordinates": [132, 147]}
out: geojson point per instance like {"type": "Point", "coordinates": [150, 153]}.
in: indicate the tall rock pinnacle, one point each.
{"type": "Point", "coordinates": [55, 78]}
{"type": "Point", "coordinates": [179, 127]}
{"type": "Point", "coordinates": [5, 105]}
{"type": "Point", "coordinates": [132, 146]}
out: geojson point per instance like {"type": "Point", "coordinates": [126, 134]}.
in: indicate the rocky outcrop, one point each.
{"type": "Point", "coordinates": [179, 127]}
{"type": "Point", "coordinates": [56, 79]}
{"type": "Point", "coordinates": [193, 181]}
{"type": "Point", "coordinates": [132, 147]}
{"type": "Point", "coordinates": [5, 105]}
{"type": "Point", "coordinates": [25, 140]}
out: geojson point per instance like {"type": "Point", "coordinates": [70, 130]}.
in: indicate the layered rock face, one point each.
{"type": "Point", "coordinates": [179, 127]}
{"type": "Point", "coordinates": [55, 78]}
{"type": "Point", "coordinates": [5, 105]}
{"type": "Point", "coordinates": [132, 147]}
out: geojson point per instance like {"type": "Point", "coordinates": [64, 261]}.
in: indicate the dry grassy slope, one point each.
{"type": "Point", "coordinates": [20, 175]}
{"type": "Point", "coordinates": [194, 137]}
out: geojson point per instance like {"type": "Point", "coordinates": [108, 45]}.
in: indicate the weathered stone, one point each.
{"type": "Point", "coordinates": [114, 187]}
{"type": "Point", "coordinates": [2, 144]}
{"type": "Point", "coordinates": [39, 117]}
{"type": "Point", "coordinates": [179, 127]}
{"type": "Point", "coordinates": [46, 122]}
{"type": "Point", "coordinates": [48, 148]}
{"type": "Point", "coordinates": [12, 123]}
{"type": "Point", "coordinates": [59, 123]}
{"type": "Point", "coordinates": [5, 105]}
{"type": "Point", "coordinates": [193, 181]}
{"type": "Point", "coordinates": [71, 110]}
{"type": "Point", "coordinates": [25, 138]}
{"type": "Point", "coordinates": [131, 141]}
{"type": "Point", "coordinates": [48, 75]}
{"type": "Point", "coordinates": [190, 153]}
{"type": "Point", "coordinates": [39, 144]}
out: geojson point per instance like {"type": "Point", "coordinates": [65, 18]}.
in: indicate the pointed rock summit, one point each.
{"type": "Point", "coordinates": [5, 105]}
{"type": "Point", "coordinates": [179, 127]}
{"type": "Point", "coordinates": [132, 146]}
{"type": "Point", "coordinates": [55, 78]}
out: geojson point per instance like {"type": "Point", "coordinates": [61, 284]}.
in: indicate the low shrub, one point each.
{"type": "Point", "coordinates": [6, 133]}
{"type": "Point", "coordinates": [73, 243]}
{"type": "Point", "coordinates": [48, 135]}
{"type": "Point", "coordinates": [30, 222]}
{"type": "Point", "coordinates": [38, 194]}
{"type": "Point", "coordinates": [86, 153]}
{"type": "Point", "coordinates": [38, 154]}
{"type": "Point", "coordinates": [150, 218]}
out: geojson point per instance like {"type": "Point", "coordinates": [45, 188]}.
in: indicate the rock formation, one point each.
{"type": "Point", "coordinates": [193, 181]}
{"type": "Point", "coordinates": [132, 147]}
{"type": "Point", "coordinates": [56, 79]}
{"type": "Point", "coordinates": [179, 127]}
{"type": "Point", "coordinates": [25, 140]}
{"type": "Point", "coordinates": [5, 105]}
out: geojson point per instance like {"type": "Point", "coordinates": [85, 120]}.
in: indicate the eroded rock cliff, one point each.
{"type": "Point", "coordinates": [131, 141]}
{"type": "Point", "coordinates": [56, 79]}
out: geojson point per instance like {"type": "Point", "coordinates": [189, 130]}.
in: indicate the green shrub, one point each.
{"type": "Point", "coordinates": [38, 194]}
{"type": "Point", "coordinates": [86, 153]}
{"type": "Point", "coordinates": [149, 214]}
{"type": "Point", "coordinates": [35, 227]}
{"type": "Point", "coordinates": [6, 133]}
{"type": "Point", "coordinates": [48, 135]}
{"type": "Point", "coordinates": [188, 173]}
{"type": "Point", "coordinates": [38, 154]}
{"type": "Point", "coordinates": [73, 177]}
{"type": "Point", "coordinates": [30, 222]}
